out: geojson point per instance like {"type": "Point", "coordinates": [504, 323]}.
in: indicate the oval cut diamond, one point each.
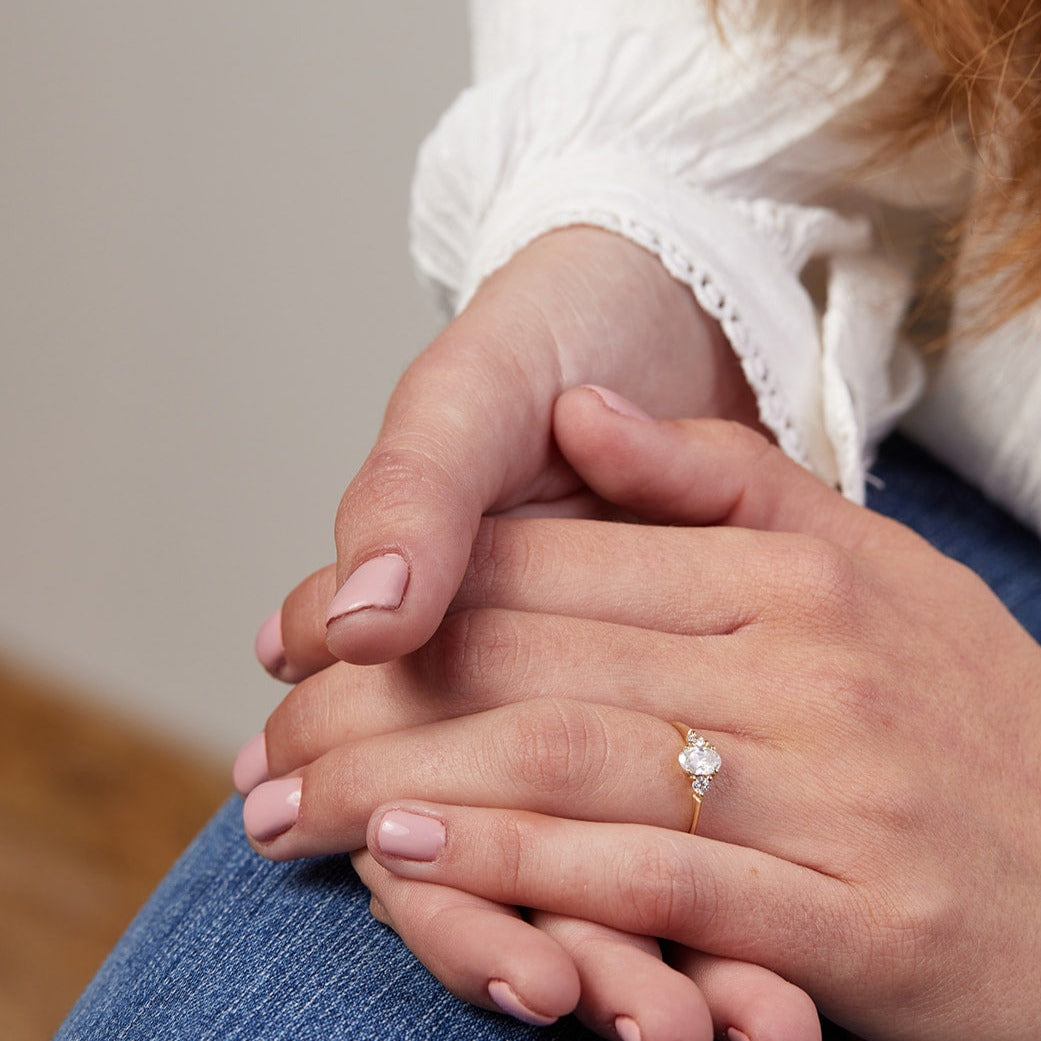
{"type": "Point", "coordinates": [700, 761]}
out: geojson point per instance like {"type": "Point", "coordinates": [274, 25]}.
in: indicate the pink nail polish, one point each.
{"type": "Point", "coordinates": [506, 998]}
{"type": "Point", "coordinates": [616, 403]}
{"type": "Point", "coordinates": [269, 648]}
{"type": "Point", "coordinates": [271, 808]}
{"type": "Point", "coordinates": [378, 583]}
{"type": "Point", "coordinates": [250, 767]}
{"type": "Point", "coordinates": [628, 1029]}
{"type": "Point", "coordinates": [411, 836]}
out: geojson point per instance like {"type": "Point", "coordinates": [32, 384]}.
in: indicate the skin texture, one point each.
{"type": "Point", "coordinates": [846, 672]}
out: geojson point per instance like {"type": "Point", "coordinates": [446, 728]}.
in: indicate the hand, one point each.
{"type": "Point", "coordinates": [469, 942]}
{"type": "Point", "coordinates": [873, 835]}
{"type": "Point", "coordinates": [465, 941]}
{"type": "Point", "coordinates": [468, 429]}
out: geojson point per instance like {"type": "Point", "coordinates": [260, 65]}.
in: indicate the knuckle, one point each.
{"type": "Point", "coordinates": [752, 454]}
{"type": "Point", "coordinates": [490, 555]}
{"type": "Point", "coordinates": [556, 747]}
{"type": "Point", "coordinates": [508, 557]}
{"type": "Point", "coordinates": [829, 577]}
{"type": "Point", "coordinates": [658, 884]}
{"type": "Point", "coordinates": [342, 788]}
{"type": "Point", "coordinates": [899, 927]}
{"type": "Point", "coordinates": [932, 917]}
{"type": "Point", "coordinates": [902, 805]}
{"type": "Point", "coordinates": [800, 1008]}
{"type": "Point", "coordinates": [302, 727]}
{"type": "Point", "coordinates": [392, 479]}
{"type": "Point", "coordinates": [502, 557]}
{"type": "Point", "coordinates": [476, 650]}
{"type": "Point", "coordinates": [881, 812]}
{"type": "Point", "coordinates": [818, 580]}
{"type": "Point", "coordinates": [848, 689]}
{"type": "Point", "coordinates": [512, 842]}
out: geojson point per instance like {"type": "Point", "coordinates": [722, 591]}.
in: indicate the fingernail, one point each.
{"type": "Point", "coordinates": [506, 998]}
{"type": "Point", "coordinates": [269, 648]}
{"type": "Point", "coordinates": [628, 1029]}
{"type": "Point", "coordinates": [733, 1034]}
{"type": "Point", "coordinates": [250, 767]}
{"type": "Point", "coordinates": [378, 583]}
{"type": "Point", "coordinates": [271, 808]}
{"type": "Point", "coordinates": [411, 836]}
{"type": "Point", "coordinates": [616, 403]}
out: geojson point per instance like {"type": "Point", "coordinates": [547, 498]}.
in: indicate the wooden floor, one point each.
{"type": "Point", "coordinates": [92, 813]}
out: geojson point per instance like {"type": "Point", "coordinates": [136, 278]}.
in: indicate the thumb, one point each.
{"type": "Point", "coordinates": [466, 431]}
{"type": "Point", "coordinates": [702, 472]}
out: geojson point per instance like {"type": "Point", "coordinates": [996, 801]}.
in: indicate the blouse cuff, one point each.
{"type": "Point", "coordinates": [739, 274]}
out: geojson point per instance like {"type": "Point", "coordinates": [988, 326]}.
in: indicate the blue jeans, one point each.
{"type": "Point", "coordinates": [233, 947]}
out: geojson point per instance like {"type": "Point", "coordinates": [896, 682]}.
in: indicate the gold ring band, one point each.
{"type": "Point", "coordinates": [700, 762]}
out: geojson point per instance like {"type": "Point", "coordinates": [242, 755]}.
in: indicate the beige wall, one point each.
{"type": "Point", "coordinates": [205, 300]}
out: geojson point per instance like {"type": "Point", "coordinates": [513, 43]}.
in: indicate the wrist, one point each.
{"type": "Point", "coordinates": [616, 317]}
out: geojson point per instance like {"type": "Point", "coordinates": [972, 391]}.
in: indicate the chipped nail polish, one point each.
{"type": "Point", "coordinates": [378, 584]}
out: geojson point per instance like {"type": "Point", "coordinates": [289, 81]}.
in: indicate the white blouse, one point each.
{"type": "Point", "coordinates": [737, 162]}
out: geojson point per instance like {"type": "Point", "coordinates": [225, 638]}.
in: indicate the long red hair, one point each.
{"type": "Point", "coordinates": [989, 53]}
{"type": "Point", "coordinates": [988, 86]}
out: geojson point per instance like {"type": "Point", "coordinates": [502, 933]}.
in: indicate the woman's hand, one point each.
{"type": "Point", "coordinates": [872, 835]}
{"type": "Point", "coordinates": [468, 429]}
{"type": "Point", "coordinates": [483, 951]}
{"type": "Point", "coordinates": [447, 678]}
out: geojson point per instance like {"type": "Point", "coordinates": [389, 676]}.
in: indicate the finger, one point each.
{"type": "Point", "coordinates": [466, 431]}
{"type": "Point", "coordinates": [748, 1001]}
{"type": "Point", "coordinates": [479, 660]}
{"type": "Point", "coordinates": [703, 581]}
{"type": "Point", "coordinates": [591, 761]}
{"type": "Point", "coordinates": [704, 471]}
{"type": "Point", "coordinates": [595, 761]}
{"type": "Point", "coordinates": [269, 647]}
{"type": "Point", "coordinates": [581, 761]}
{"type": "Point", "coordinates": [486, 954]}
{"type": "Point", "coordinates": [727, 900]}
{"type": "Point", "coordinates": [483, 952]}
{"type": "Point", "coordinates": [290, 643]}
{"type": "Point", "coordinates": [668, 579]}
{"type": "Point", "coordinates": [627, 991]}
{"type": "Point", "coordinates": [303, 624]}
